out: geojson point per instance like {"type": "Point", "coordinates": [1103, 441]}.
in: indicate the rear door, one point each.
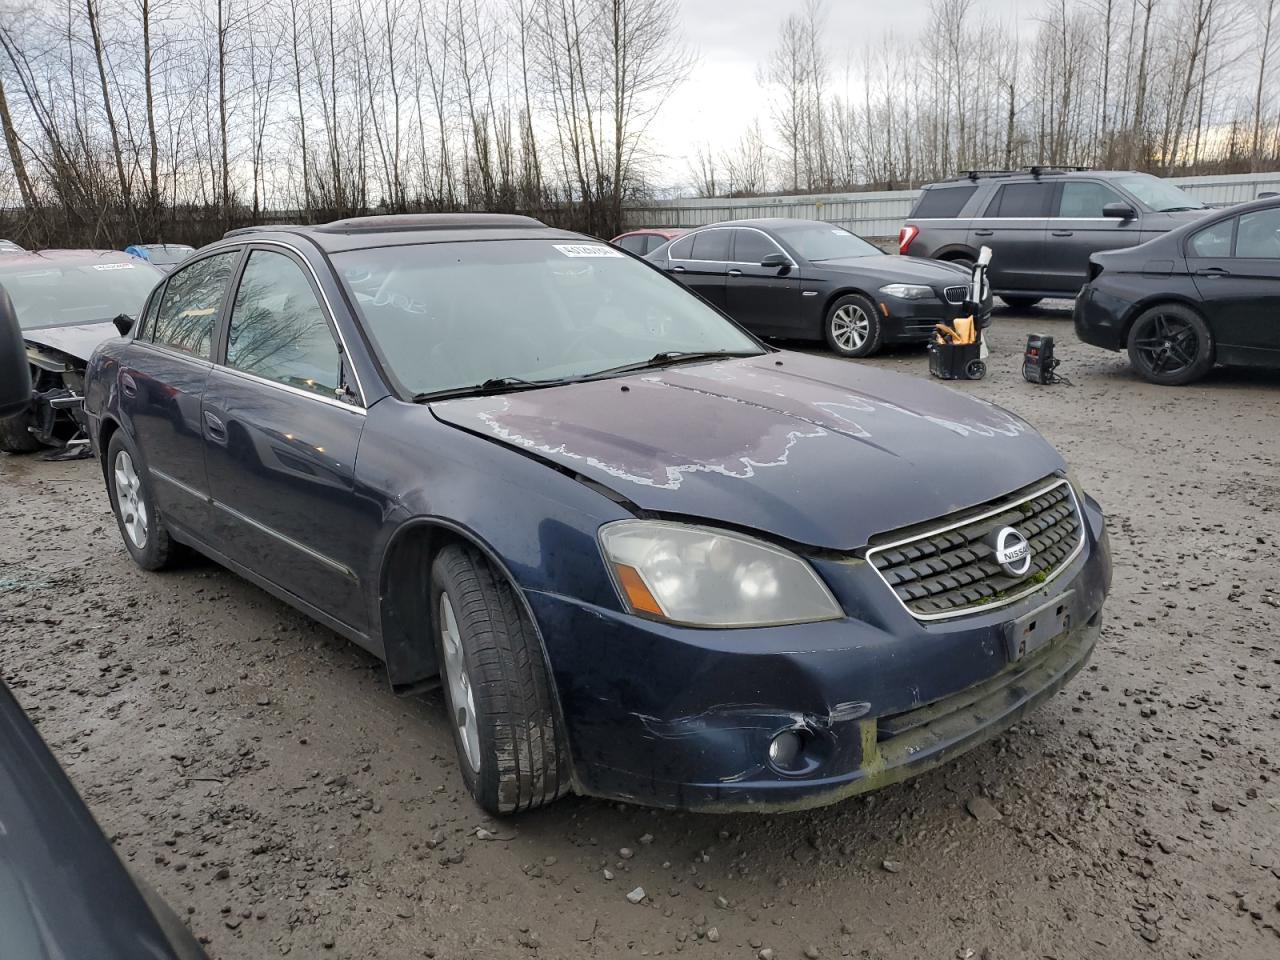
{"type": "Point", "coordinates": [281, 426]}
{"type": "Point", "coordinates": [1077, 228]}
{"type": "Point", "coordinates": [1014, 225]}
{"type": "Point", "coordinates": [765, 300]}
{"type": "Point", "coordinates": [700, 262]}
{"type": "Point", "coordinates": [162, 385]}
{"type": "Point", "coordinates": [1239, 279]}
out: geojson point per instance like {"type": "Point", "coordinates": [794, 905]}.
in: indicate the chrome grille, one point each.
{"type": "Point", "coordinates": [956, 294]}
{"type": "Point", "coordinates": [951, 569]}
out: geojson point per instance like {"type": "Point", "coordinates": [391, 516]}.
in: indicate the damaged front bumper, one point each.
{"type": "Point", "coordinates": [684, 718]}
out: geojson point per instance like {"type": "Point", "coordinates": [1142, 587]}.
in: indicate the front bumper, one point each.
{"type": "Point", "coordinates": [682, 718]}
{"type": "Point", "coordinates": [913, 321]}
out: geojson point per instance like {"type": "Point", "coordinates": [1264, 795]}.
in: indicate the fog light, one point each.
{"type": "Point", "coordinates": [784, 750]}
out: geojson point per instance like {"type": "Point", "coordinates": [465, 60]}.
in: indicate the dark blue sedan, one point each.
{"type": "Point", "coordinates": [648, 557]}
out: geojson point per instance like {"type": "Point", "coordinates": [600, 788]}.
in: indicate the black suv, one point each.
{"type": "Point", "coordinates": [1041, 223]}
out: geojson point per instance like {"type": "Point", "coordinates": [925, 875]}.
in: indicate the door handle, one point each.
{"type": "Point", "coordinates": [214, 428]}
{"type": "Point", "coordinates": [735, 272]}
{"type": "Point", "coordinates": [983, 233]}
{"type": "Point", "coordinates": [128, 385]}
{"type": "Point", "coordinates": [1213, 272]}
{"type": "Point", "coordinates": [1063, 233]}
{"type": "Point", "coordinates": [677, 269]}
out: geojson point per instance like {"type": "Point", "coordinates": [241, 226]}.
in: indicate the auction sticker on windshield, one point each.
{"type": "Point", "coordinates": [586, 250]}
{"type": "Point", "coordinates": [112, 266]}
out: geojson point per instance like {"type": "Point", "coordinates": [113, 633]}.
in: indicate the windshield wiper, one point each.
{"type": "Point", "coordinates": [491, 386]}
{"type": "Point", "coordinates": [670, 357]}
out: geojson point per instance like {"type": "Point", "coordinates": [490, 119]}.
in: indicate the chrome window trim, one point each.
{"type": "Point", "coordinates": [1022, 594]}
{"type": "Point", "coordinates": [172, 352]}
{"type": "Point", "coordinates": [332, 401]}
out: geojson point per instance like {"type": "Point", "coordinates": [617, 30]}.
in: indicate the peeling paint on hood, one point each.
{"type": "Point", "coordinates": [810, 449]}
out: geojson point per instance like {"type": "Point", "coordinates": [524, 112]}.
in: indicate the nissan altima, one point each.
{"type": "Point", "coordinates": [646, 556]}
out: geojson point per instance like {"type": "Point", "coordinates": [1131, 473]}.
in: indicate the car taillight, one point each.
{"type": "Point", "coordinates": [906, 234]}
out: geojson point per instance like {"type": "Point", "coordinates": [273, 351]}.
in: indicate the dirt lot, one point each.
{"type": "Point", "coordinates": [258, 772]}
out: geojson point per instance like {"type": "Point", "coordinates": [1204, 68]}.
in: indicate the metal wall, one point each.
{"type": "Point", "coordinates": [881, 214]}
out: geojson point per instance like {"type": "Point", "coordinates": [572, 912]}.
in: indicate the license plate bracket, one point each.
{"type": "Point", "coordinates": [1033, 630]}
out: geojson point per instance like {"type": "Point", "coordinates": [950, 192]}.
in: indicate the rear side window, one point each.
{"type": "Point", "coordinates": [1021, 200]}
{"type": "Point", "coordinates": [1259, 235]}
{"type": "Point", "coordinates": [940, 202]}
{"type": "Point", "coordinates": [653, 243]}
{"type": "Point", "coordinates": [711, 245]}
{"type": "Point", "coordinates": [636, 243]}
{"type": "Point", "coordinates": [1085, 198]}
{"type": "Point", "coordinates": [680, 249]}
{"type": "Point", "coordinates": [278, 329]}
{"type": "Point", "coordinates": [190, 304]}
{"type": "Point", "coordinates": [1213, 241]}
{"type": "Point", "coordinates": [147, 325]}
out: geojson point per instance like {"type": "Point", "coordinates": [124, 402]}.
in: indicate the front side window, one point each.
{"type": "Point", "coordinates": [1213, 241]}
{"type": "Point", "coordinates": [446, 316]}
{"type": "Point", "coordinates": [1021, 200]}
{"type": "Point", "coordinates": [752, 247]}
{"type": "Point", "coordinates": [278, 329]}
{"type": "Point", "coordinates": [711, 245]}
{"type": "Point", "coordinates": [190, 304]}
{"type": "Point", "coordinates": [1084, 199]}
{"type": "Point", "coordinates": [1259, 235]}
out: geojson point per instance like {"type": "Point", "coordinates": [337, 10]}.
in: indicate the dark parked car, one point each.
{"type": "Point", "coordinates": [808, 280]}
{"type": "Point", "coordinates": [65, 301]}
{"type": "Point", "coordinates": [1205, 293]}
{"type": "Point", "coordinates": [645, 241]}
{"type": "Point", "coordinates": [166, 256]}
{"type": "Point", "coordinates": [1041, 223]}
{"type": "Point", "coordinates": [605, 519]}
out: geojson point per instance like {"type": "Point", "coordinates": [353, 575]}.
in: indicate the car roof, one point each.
{"type": "Point", "coordinates": [1033, 173]}
{"type": "Point", "coordinates": [767, 223]}
{"type": "Point", "coordinates": [30, 258]}
{"type": "Point", "coordinates": [357, 233]}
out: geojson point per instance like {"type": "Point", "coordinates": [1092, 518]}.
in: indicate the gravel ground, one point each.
{"type": "Point", "coordinates": [257, 771]}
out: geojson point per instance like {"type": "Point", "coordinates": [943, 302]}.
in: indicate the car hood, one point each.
{"type": "Point", "coordinates": [1164, 222]}
{"type": "Point", "coordinates": [897, 269]}
{"type": "Point", "coordinates": [77, 340]}
{"type": "Point", "coordinates": [808, 449]}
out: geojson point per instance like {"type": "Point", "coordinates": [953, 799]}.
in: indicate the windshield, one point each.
{"type": "Point", "coordinates": [452, 315]}
{"type": "Point", "coordinates": [821, 241]}
{"type": "Point", "coordinates": [53, 294]}
{"type": "Point", "coordinates": [1159, 195]}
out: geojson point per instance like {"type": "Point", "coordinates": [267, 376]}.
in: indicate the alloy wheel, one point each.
{"type": "Point", "coordinates": [1166, 344]}
{"type": "Point", "coordinates": [850, 326]}
{"type": "Point", "coordinates": [461, 695]}
{"type": "Point", "coordinates": [130, 500]}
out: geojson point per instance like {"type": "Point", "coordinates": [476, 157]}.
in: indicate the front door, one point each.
{"type": "Point", "coordinates": [1077, 228]}
{"type": "Point", "coordinates": [765, 300]}
{"type": "Point", "coordinates": [1240, 284]}
{"type": "Point", "coordinates": [162, 384]}
{"type": "Point", "coordinates": [281, 433]}
{"type": "Point", "coordinates": [1014, 226]}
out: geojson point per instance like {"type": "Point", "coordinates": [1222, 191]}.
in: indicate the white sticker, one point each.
{"type": "Point", "coordinates": [112, 266]}
{"type": "Point", "coordinates": [586, 250]}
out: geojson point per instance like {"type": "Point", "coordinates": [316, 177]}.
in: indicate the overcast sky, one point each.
{"type": "Point", "coordinates": [732, 37]}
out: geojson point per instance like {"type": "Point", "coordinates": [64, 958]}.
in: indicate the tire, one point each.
{"type": "Point", "coordinates": [1020, 303]}
{"type": "Point", "coordinates": [1171, 345]}
{"type": "Point", "coordinates": [853, 326]}
{"type": "Point", "coordinates": [510, 748]}
{"type": "Point", "coordinates": [975, 370]}
{"type": "Point", "coordinates": [141, 527]}
{"type": "Point", "coordinates": [967, 262]}
{"type": "Point", "coordinates": [14, 435]}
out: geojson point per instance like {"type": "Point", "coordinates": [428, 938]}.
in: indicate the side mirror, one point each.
{"type": "Point", "coordinates": [775, 260]}
{"type": "Point", "coordinates": [1119, 210]}
{"type": "Point", "coordinates": [15, 371]}
{"type": "Point", "coordinates": [123, 322]}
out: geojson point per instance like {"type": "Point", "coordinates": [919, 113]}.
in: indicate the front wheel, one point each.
{"type": "Point", "coordinates": [1170, 345]}
{"type": "Point", "coordinates": [510, 748]}
{"type": "Point", "coordinates": [853, 327]}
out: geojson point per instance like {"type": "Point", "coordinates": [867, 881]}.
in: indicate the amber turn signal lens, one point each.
{"type": "Point", "coordinates": [638, 595]}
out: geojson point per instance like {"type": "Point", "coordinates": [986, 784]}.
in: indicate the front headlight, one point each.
{"type": "Point", "coordinates": [711, 578]}
{"type": "Point", "coordinates": [907, 291]}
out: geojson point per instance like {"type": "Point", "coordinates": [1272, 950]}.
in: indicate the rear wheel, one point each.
{"type": "Point", "coordinates": [510, 749]}
{"type": "Point", "coordinates": [1020, 303]}
{"type": "Point", "coordinates": [853, 326]}
{"type": "Point", "coordinates": [141, 528]}
{"type": "Point", "coordinates": [1170, 345]}
{"type": "Point", "coordinates": [14, 435]}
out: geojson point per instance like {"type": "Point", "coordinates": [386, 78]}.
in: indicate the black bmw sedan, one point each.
{"type": "Point", "coordinates": [604, 519]}
{"type": "Point", "coordinates": [1207, 293]}
{"type": "Point", "coordinates": [808, 280]}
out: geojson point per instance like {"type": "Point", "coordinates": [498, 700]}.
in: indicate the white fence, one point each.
{"type": "Point", "coordinates": [881, 214]}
